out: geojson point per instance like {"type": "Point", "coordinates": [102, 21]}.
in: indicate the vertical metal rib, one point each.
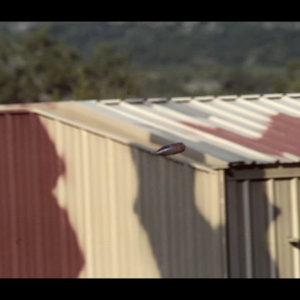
{"type": "Point", "coordinates": [271, 231]}
{"type": "Point", "coordinates": [295, 224]}
{"type": "Point", "coordinates": [247, 226]}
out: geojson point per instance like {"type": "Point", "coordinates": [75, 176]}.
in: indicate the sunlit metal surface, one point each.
{"type": "Point", "coordinates": [247, 129]}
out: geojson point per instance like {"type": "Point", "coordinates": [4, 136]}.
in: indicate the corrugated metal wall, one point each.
{"type": "Point", "coordinates": [263, 215]}
{"type": "Point", "coordinates": [76, 202]}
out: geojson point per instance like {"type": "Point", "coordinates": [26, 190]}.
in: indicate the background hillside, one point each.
{"type": "Point", "coordinates": [174, 58]}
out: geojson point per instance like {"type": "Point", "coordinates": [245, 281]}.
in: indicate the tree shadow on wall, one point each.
{"type": "Point", "coordinates": [36, 237]}
{"type": "Point", "coordinates": [262, 216]}
{"type": "Point", "coordinates": [273, 141]}
{"type": "Point", "coordinates": [183, 242]}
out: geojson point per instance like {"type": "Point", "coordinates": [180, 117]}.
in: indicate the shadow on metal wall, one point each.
{"type": "Point", "coordinates": [250, 257]}
{"type": "Point", "coordinates": [183, 242]}
{"type": "Point", "coordinates": [36, 237]}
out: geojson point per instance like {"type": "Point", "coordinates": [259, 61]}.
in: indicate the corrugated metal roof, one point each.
{"type": "Point", "coordinates": [247, 129]}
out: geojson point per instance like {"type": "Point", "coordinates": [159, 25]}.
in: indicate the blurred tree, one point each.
{"type": "Point", "coordinates": [37, 68]}
{"type": "Point", "coordinates": [41, 68]}
{"type": "Point", "coordinates": [293, 75]}
{"type": "Point", "coordinates": [83, 89]}
{"type": "Point", "coordinates": [241, 80]}
{"type": "Point", "coordinates": [280, 85]}
{"type": "Point", "coordinates": [107, 74]}
{"type": "Point", "coordinates": [10, 70]}
{"type": "Point", "coordinates": [50, 68]}
{"type": "Point", "coordinates": [290, 81]}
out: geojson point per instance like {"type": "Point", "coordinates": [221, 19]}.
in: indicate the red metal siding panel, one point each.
{"type": "Point", "coordinates": [279, 137]}
{"type": "Point", "coordinates": [36, 238]}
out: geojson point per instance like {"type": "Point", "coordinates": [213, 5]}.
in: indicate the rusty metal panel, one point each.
{"type": "Point", "coordinates": [263, 219]}
{"type": "Point", "coordinates": [77, 202]}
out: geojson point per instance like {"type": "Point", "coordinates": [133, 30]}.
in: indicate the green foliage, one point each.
{"type": "Point", "coordinates": [293, 70]}
{"type": "Point", "coordinates": [110, 74]}
{"type": "Point", "coordinates": [66, 61]}
{"type": "Point", "coordinates": [10, 70]}
{"type": "Point", "coordinates": [242, 80]}
{"type": "Point", "coordinates": [225, 43]}
{"type": "Point", "coordinates": [290, 81]}
{"type": "Point", "coordinates": [39, 67]}
{"type": "Point", "coordinates": [50, 67]}
{"type": "Point", "coordinates": [82, 90]}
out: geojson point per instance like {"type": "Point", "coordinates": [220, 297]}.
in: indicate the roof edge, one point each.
{"type": "Point", "coordinates": [120, 139]}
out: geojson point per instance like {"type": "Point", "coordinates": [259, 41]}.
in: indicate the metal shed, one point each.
{"type": "Point", "coordinates": [77, 201]}
{"type": "Point", "coordinates": [255, 139]}
{"type": "Point", "coordinates": [228, 207]}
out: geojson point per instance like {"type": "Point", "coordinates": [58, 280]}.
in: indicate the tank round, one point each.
{"type": "Point", "coordinates": [171, 149]}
